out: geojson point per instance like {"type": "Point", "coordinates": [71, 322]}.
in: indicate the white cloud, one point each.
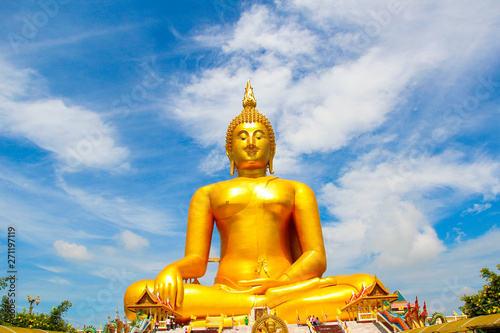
{"type": "Point", "coordinates": [260, 29]}
{"type": "Point", "coordinates": [59, 281]}
{"type": "Point", "coordinates": [77, 137]}
{"type": "Point", "coordinates": [132, 241]}
{"type": "Point", "coordinates": [457, 234]}
{"type": "Point", "coordinates": [72, 251]}
{"type": "Point", "coordinates": [53, 269]}
{"type": "Point", "coordinates": [455, 272]}
{"type": "Point", "coordinates": [320, 100]}
{"type": "Point", "coordinates": [325, 111]}
{"type": "Point", "coordinates": [477, 208]}
{"type": "Point", "coordinates": [213, 163]}
{"type": "Point", "coordinates": [210, 102]}
{"type": "Point", "coordinates": [76, 38]}
{"type": "Point", "coordinates": [390, 223]}
{"type": "Point", "coordinates": [119, 211]}
{"type": "Point", "coordinates": [109, 250]}
{"type": "Point", "coordinates": [15, 81]}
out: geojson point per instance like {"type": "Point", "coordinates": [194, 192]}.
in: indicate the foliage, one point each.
{"type": "Point", "coordinates": [3, 282]}
{"type": "Point", "coordinates": [55, 318]}
{"type": "Point", "coordinates": [5, 311]}
{"type": "Point", "coordinates": [487, 300]}
{"type": "Point", "coordinates": [52, 321]}
{"type": "Point", "coordinates": [30, 320]}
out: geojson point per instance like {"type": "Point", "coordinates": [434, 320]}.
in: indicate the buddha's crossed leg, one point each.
{"type": "Point", "coordinates": [314, 297]}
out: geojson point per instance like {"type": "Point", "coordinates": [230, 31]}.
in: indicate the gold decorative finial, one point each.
{"type": "Point", "coordinates": [249, 98]}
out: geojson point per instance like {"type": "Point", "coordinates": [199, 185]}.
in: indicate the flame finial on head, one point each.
{"type": "Point", "coordinates": [249, 98]}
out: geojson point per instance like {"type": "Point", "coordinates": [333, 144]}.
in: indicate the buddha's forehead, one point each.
{"type": "Point", "coordinates": [250, 128]}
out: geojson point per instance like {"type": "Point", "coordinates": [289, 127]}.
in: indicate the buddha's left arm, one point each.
{"type": "Point", "coordinates": [312, 262]}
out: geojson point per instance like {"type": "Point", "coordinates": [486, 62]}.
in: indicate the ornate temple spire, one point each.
{"type": "Point", "coordinates": [249, 99]}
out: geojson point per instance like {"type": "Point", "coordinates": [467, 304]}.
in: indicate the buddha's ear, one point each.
{"type": "Point", "coordinates": [229, 154]}
{"type": "Point", "coordinates": [271, 157]}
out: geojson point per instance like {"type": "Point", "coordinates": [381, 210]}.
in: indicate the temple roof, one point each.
{"type": "Point", "coordinates": [149, 301]}
{"type": "Point", "coordinates": [374, 294]}
{"type": "Point", "coordinates": [401, 298]}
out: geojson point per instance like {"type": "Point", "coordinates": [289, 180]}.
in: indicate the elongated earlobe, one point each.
{"type": "Point", "coordinates": [230, 156]}
{"type": "Point", "coordinates": [271, 157]}
{"type": "Point", "coordinates": [232, 168]}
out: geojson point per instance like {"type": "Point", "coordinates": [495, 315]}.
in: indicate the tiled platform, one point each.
{"type": "Point", "coordinates": [353, 326]}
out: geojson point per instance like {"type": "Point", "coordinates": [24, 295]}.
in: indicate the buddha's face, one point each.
{"type": "Point", "coordinates": [251, 147]}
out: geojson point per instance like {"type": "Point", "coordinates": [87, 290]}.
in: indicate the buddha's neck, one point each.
{"type": "Point", "coordinates": [254, 173]}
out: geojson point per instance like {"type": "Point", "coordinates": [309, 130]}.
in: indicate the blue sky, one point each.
{"type": "Point", "coordinates": [112, 115]}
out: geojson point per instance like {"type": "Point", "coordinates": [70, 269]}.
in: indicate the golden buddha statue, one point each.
{"type": "Point", "coordinates": [272, 250]}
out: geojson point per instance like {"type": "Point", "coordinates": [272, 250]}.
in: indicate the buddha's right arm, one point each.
{"type": "Point", "coordinates": [169, 283]}
{"type": "Point", "coordinates": [200, 227]}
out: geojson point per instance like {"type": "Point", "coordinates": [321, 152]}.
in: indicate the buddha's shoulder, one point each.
{"type": "Point", "coordinates": [238, 182]}
{"type": "Point", "coordinates": [297, 186]}
{"type": "Point", "coordinates": [290, 183]}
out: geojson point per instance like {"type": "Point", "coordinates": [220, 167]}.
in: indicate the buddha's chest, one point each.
{"type": "Point", "coordinates": [252, 199]}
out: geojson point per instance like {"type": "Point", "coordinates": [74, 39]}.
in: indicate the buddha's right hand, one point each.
{"type": "Point", "coordinates": [169, 286]}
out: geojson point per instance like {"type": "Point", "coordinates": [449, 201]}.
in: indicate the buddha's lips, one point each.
{"type": "Point", "coordinates": [251, 150]}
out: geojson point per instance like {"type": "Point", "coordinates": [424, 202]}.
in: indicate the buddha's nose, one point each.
{"type": "Point", "coordinates": [251, 146]}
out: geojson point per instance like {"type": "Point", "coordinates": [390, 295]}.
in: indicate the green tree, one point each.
{"type": "Point", "coordinates": [3, 283]}
{"type": "Point", "coordinates": [27, 320]}
{"type": "Point", "coordinates": [55, 321]}
{"type": "Point", "coordinates": [52, 322]}
{"type": "Point", "coordinates": [487, 300]}
{"type": "Point", "coordinates": [5, 311]}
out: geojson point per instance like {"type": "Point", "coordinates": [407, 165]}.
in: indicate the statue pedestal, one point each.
{"type": "Point", "coordinates": [258, 312]}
